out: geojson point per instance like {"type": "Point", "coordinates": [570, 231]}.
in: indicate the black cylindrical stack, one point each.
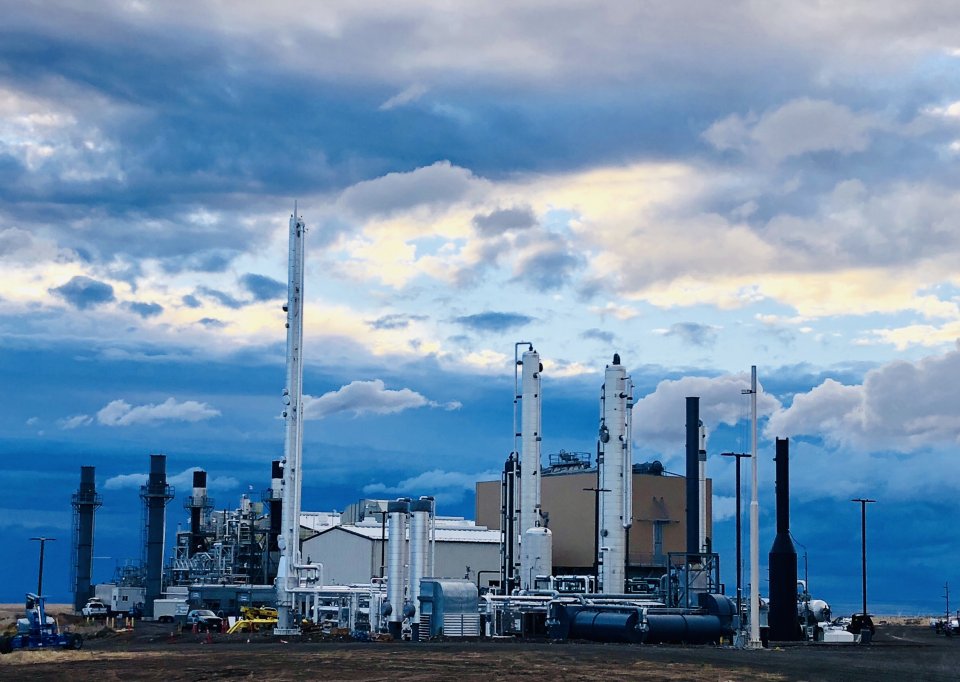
{"type": "Point", "coordinates": [85, 503]}
{"type": "Point", "coordinates": [276, 504]}
{"type": "Point", "coordinates": [508, 520]}
{"type": "Point", "coordinates": [693, 477]}
{"type": "Point", "coordinates": [155, 495]}
{"type": "Point", "coordinates": [198, 501]}
{"type": "Point", "coordinates": [782, 619]}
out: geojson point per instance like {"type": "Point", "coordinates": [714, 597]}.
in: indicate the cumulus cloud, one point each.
{"type": "Point", "coordinates": [695, 334]}
{"type": "Point", "coordinates": [659, 418]}
{"type": "Point", "coordinates": [798, 127]}
{"type": "Point", "coordinates": [438, 184]}
{"type": "Point", "coordinates": [263, 288]}
{"type": "Point", "coordinates": [75, 421]}
{"type": "Point", "coordinates": [368, 397]}
{"type": "Point", "coordinates": [504, 219]}
{"type": "Point", "coordinates": [901, 406]}
{"type": "Point", "coordinates": [447, 487]}
{"type": "Point", "coordinates": [184, 479]}
{"type": "Point", "coordinates": [83, 292]}
{"type": "Point", "coordinates": [145, 310]}
{"type": "Point", "coordinates": [492, 321]}
{"type": "Point", "coordinates": [121, 413]}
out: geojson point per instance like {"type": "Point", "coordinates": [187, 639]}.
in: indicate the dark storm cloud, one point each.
{"type": "Point", "coordinates": [597, 335]}
{"type": "Point", "coordinates": [395, 321]}
{"type": "Point", "coordinates": [493, 321]}
{"type": "Point", "coordinates": [146, 310]}
{"type": "Point", "coordinates": [263, 288]}
{"type": "Point", "coordinates": [505, 219]}
{"type": "Point", "coordinates": [83, 292]}
{"type": "Point", "coordinates": [222, 297]}
{"type": "Point", "coordinates": [694, 333]}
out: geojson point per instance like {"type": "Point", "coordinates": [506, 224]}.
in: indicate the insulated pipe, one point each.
{"type": "Point", "coordinates": [85, 502]}
{"type": "Point", "coordinates": [420, 511]}
{"type": "Point", "coordinates": [396, 560]}
{"type": "Point", "coordinates": [702, 457]}
{"type": "Point", "coordinates": [613, 474]}
{"type": "Point", "coordinates": [692, 487]}
{"type": "Point", "coordinates": [530, 438]}
{"type": "Point", "coordinates": [276, 503]}
{"type": "Point", "coordinates": [289, 541]}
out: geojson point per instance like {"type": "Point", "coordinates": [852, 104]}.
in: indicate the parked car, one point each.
{"type": "Point", "coordinates": [205, 620]}
{"type": "Point", "coordinates": [94, 608]}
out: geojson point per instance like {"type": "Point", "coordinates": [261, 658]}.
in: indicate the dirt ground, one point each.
{"type": "Point", "coordinates": [157, 652]}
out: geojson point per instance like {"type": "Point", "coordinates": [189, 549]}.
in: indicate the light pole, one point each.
{"type": "Point", "coordinates": [43, 541]}
{"type": "Point", "coordinates": [863, 545]}
{"type": "Point", "coordinates": [738, 456]}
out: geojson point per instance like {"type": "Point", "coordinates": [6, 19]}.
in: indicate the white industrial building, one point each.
{"type": "Point", "coordinates": [354, 552]}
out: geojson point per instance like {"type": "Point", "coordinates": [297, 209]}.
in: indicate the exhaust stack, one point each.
{"type": "Point", "coordinates": [85, 502]}
{"type": "Point", "coordinates": [782, 618]}
{"type": "Point", "coordinates": [155, 495]}
{"type": "Point", "coordinates": [199, 506]}
{"type": "Point", "coordinates": [693, 478]}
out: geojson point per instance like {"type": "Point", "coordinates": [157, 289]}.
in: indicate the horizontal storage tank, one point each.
{"type": "Point", "coordinates": [683, 629]}
{"type": "Point", "coordinates": [607, 626]}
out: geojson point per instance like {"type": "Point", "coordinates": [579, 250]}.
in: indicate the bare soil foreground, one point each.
{"type": "Point", "coordinates": [155, 652]}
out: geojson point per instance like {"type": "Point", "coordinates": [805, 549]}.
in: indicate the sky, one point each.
{"type": "Point", "coordinates": [700, 187]}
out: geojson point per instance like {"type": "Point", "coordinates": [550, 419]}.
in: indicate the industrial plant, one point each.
{"type": "Point", "coordinates": [584, 545]}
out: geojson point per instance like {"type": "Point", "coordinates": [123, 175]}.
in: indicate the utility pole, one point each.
{"type": "Point", "coordinates": [738, 456]}
{"type": "Point", "coordinates": [863, 545]}
{"type": "Point", "coordinates": [43, 541]}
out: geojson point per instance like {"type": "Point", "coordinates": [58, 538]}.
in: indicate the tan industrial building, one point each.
{"type": "Point", "coordinates": [568, 498]}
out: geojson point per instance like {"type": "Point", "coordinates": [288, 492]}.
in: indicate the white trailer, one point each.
{"type": "Point", "coordinates": [168, 610]}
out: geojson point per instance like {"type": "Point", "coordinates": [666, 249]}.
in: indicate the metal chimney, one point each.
{"type": "Point", "coordinates": [198, 504]}
{"type": "Point", "coordinates": [693, 477]}
{"type": "Point", "coordinates": [85, 502]}
{"type": "Point", "coordinates": [782, 618]}
{"type": "Point", "coordinates": [155, 495]}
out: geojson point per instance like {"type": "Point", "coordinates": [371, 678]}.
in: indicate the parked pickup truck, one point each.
{"type": "Point", "coordinates": [205, 620]}
{"type": "Point", "coordinates": [94, 608]}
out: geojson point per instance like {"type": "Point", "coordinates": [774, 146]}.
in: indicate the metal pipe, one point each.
{"type": "Point", "coordinates": [755, 642]}
{"type": "Point", "coordinates": [692, 479]}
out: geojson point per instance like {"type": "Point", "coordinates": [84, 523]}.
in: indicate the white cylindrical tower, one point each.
{"type": "Point", "coordinates": [615, 477]}
{"type": "Point", "coordinates": [536, 555]}
{"type": "Point", "coordinates": [420, 512]}
{"type": "Point", "coordinates": [396, 561]}
{"type": "Point", "coordinates": [529, 454]}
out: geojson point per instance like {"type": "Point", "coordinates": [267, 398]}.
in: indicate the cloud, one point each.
{"type": "Point", "coordinates": [212, 323]}
{"type": "Point", "coordinates": [548, 263]}
{"type": "Point", "coordinates": [798, 127]}
{"type": "Point", "coordinates": [435, 185]}
{"type": "Point", "coordinates": [406, 96]}
{"type": "Point", "coordinates": [368, 397]}
{"type": "Point", "coordinates": [693, 333]}
{"type": "Point", "coordinates": [83, 292]}
{"type": "Point", "coordinates": [500, 221]}
{"type": "Point", "coordinates": [182, 480]}
{"type": "Point", "coordinates": [659, 418]}
{"type": "Point", "coordinates": [447, 487]}
{"type": "Point", "coordinates": [121, 413]}
{"type": "Point", "coordinates": [395, 321]}
{"type": "Point", "coordinates": [900, 406]}
{"type": "Point", "coordinates": [221, 297]}
{"type": "Point", "coordinates": [145, 310]}
{"type": "Point", "coordinates": [263, 288]}
{"type": "Point", "coordinates": [493, 321]}
{"type": "Point", "coordinates": [597, 335]}
{"type": "Point", "coordinates": [75, 421]}
{"type": "Point", "coordinates": [191, 301]}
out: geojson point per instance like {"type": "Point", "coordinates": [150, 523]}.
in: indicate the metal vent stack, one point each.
{"type": "Point", "coordinates": [85, 502]}
{"type": "Point", "coordinates": [155, 495]}
{"type": "Point", "coordinates": [693, 477]}
{"type": "Point", "coordinates": [199, 506]}
{"type": "Point", "coordinates": [782, 618]}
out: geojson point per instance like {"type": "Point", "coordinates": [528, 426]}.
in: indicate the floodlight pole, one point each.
{"type": "Point", "coordinates": [738, 456]}
{"type": "Point", "coordinates": [43, 541]}
{"type": "Point", "coordinates": [863, 545]}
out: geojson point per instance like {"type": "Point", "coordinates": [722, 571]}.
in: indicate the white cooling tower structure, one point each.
{"type": "Point", "coordinates": [420, 556]}
{"type": "Point", "coordinates": [615, 471]}
{"type": "Point", "coordinates": [530, 438]}
{"type": "Point", "coordinates": [396, 561]}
